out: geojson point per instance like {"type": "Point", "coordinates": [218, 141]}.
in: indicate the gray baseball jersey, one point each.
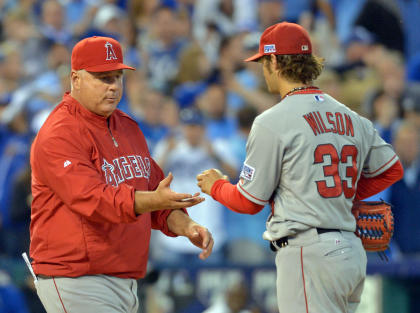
{"type": "Point", "coordinates": [305, 156]}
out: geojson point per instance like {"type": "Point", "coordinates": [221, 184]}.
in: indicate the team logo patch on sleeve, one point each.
{"type": "Point", "coordinates": [247, 172]}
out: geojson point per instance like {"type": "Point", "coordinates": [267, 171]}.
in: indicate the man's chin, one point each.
{"type": "Point", "coordinates": [108, 108]}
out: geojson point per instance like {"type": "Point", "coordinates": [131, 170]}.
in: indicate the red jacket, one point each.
{"type": "Point", "coordinates": [85, 170]}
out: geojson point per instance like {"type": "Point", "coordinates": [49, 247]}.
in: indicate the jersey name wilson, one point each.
{"type": "Point", "coordinates": [327, 122]}
{"type": "Point", "coordinates": [124, 168]}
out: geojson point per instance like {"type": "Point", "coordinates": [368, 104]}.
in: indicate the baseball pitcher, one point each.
{"type": "Point", "coordinates": [310, 157]}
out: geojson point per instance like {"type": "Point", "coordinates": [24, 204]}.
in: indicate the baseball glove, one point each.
{"type": "Point", "coordinates": [374, 224]}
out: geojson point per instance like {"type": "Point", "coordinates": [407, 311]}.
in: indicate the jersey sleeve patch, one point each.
{"type": "Point", "coordinates": [247, 172]}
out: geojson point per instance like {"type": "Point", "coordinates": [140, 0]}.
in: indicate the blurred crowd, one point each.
{"type": "Point", "coordinates": [195, 100]}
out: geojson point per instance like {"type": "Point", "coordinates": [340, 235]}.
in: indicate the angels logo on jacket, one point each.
{"type": "Point", "coordinates": [125, 168]}
{"type": "Point", "coordinates": [110, 53]}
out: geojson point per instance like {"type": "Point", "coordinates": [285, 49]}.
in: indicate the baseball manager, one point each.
{"type": "Point", "coordinates": [97, 193]}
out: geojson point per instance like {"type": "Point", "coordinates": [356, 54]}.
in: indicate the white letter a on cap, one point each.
{"type": "Point", "coordinates": [110, 54]}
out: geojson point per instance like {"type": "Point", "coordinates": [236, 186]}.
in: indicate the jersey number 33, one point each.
{"type": "Point", "coordinates": [347, 156]}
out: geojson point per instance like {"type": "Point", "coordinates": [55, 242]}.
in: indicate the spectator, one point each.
{"type": "Point", "coordinates": [21, 34]}
{"type": "Point", "coordinates": [163, 48]}
{"type": "Point", "coordinates": [53, 24]}
{"type": "Point", "coordinates": [170, 116]}
{"type": "Point", "coordinates": [386, 112]}
{"type": "Point", "coordinates": [227, 16]}
{"type": "Point", "coordinates": [109, 20]}
{"type": "Point", "coordinates": [405, 194]}
{"type": "Point", "coordinates": [147, 113]}
{"type": "Point", "coordinates": [5, 7]}
{"type": "Point", "coordinates": [329, 81]}
{"type": "Point", "coordinates": [213, 104]}
{"type": "Point", "coordinates": [270, 12]}
{"type": "Point", "coordinates": [382, 18]}
{"type": "Point", "coordinates": [411, 104]}
{"type": "Point", "coordinates": [346, 12]}
{"type": "Point", "coordinates": [244, 231]}
{"type": "Point", "coordinates": [185, 156]}
{"type": "Point", "coordinates": [63, 75]}
{"type": "Point", "coordinates": [47, 88]}
{"type": "Point", "coordinates": [14, 152]}
{"type": "Point", "coordinates": [241, 82]}
{"type": "Point", "coordinates": [237, 142]}
{"type": "Point", "coordinates": [43, 92]}
{"type": "Point", "coordinates": [20, 212]}
{"type": "Point", "coordinates": [141, 12]}
{"type": "Point", "coordinates": [409, 19]}
{"type": "Point", "coordinates": [193, 65]}
{"type": "Point", "coordinates": [11, 70]}
{"type": "Point", "coordinates": [357, 75]}
{"type": "Point", "coordinates": [195, 72]}
{"type": "Point", "coordinates": [79, 15]}
{"type": "Point", "coordinates": [390, 67]}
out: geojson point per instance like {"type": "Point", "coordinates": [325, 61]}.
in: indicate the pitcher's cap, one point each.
{"type": "Point", "coordinates": [98, 54]}
{"type": "Point", "coordinates": [283, 38]}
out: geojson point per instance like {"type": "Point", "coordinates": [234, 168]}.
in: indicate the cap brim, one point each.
{"type": "Point", "coordinates": [109, 67]}
{"type": "Point", "coordinates": [254, 58]}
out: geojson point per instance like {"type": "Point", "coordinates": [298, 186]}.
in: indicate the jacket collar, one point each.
{"type": "Point", "coordinates": [94, 118]}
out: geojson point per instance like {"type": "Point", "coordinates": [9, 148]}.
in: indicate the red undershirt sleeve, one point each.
{"type": "Point", "coordinates": [228, 195]}
{"type": "Point", "coordinates": [368, 187]}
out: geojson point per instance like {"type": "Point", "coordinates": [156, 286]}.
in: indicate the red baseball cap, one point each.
{"type": "Point", "coordinates": [98, 54]}
{"type": "Point", "coordinates": [283, 38]}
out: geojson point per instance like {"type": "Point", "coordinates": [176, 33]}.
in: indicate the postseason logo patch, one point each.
{"type": "Point", "coordinates": [269, 48]}
{"type": "Point", "coordinates": [247, 172]}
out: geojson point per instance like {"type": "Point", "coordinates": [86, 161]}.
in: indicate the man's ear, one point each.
{"type": "Point", "coordinates": [273, 62]}
{"type": "Point", "coordinates": [75, 79]}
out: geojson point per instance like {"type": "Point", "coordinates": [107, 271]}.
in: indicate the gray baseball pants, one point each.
{"type": "Point", "coordinates": [88, 294]}
{"type": "Point", "coordinates": [322, 273]}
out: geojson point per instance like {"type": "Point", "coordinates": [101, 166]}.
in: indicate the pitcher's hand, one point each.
{"type": "Point", "coordinates": [206, 179]}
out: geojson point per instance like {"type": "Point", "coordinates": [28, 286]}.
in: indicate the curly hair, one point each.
{"type": "Point", "coordinates": [299, 68]}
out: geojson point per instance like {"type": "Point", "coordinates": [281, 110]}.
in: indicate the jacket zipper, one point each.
{"type": "Point", "coordinates": [112, 136]}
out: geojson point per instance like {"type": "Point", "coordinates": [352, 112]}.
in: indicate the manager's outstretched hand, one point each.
{"type": "Point", "coordinates": [164, 198]}
{"type": "Point", "coordinates": [206, 179]}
